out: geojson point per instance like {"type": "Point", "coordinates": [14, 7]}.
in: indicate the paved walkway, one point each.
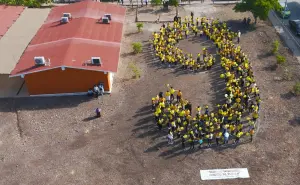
{"type": "Point", "coordinates": [19, 35]}
{"type": "Point", "coordinates": [152, 13]}
{"type": "Point", "coordinates": [285, 33]}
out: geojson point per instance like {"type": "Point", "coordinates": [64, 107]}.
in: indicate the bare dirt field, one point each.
{"type": "Point", "coordinates": [57, 141]}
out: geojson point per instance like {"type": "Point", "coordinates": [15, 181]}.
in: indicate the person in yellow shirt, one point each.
{"type": "Point", "coordinates": [182, 114]}
{"type": "Point", "coordinates": [251, 134]}
{"type": "Point", "coordinates": [179, 96]}
{"type": "Point", "coordinates": [160, 123]}
{"type": "Point", "coordinates": [199, 110]}
{"type": "Point", "coordinates": [255, 116]}
{"type": "Point", "coordinates": [153, 104]}
{"type": "Point", "coordinates": [218, 136]}
{"type": "Point", "coordinates": [172, 91]}
{"type": "Point", "coordinates": [238, 136]}
{"type": "Point", "coordinates": [168, 96]}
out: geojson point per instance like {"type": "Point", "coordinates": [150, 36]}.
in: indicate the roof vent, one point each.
{"type": "Point", "coordinates": [108, 16]}
{"type": "Point", "coordinates": [64, 20]}
{"type": "Point", "coordinates": [39, 61]}
{"type": "Point", "coordinates": [105, 20]}
{"type": "Point", "coordinates": [96, 61]}
{"type": "Point", "coordinates": [67, 15]}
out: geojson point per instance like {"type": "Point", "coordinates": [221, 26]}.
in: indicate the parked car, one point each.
{"type": "Point", "coordinates": [284, 11]}
{"type": "Point", "coordinates": [295, 25]}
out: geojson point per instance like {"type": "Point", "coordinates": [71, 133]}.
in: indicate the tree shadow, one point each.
{"type": "Point", "coordinates": [161, 10]}
{"type": "Point", "coordinates": [264, 55]}
{"type": "Point", "coordinates": [271, 67]}
{"type": "Point", "coordinates": [127, 54]}
{"type": "Point", "coordinates": [130, 34]}
{"type": "Point", "coordinates": [148, 10]}
{"type": "Point", "coordinates": [287, 96]}
{"type": "Point", "coordinates": [236, 25]}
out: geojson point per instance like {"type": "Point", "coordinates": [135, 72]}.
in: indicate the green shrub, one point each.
{"type": "Point", "coordinates": [173, 2]}
{"type": "Point", "coordinates": [137, 47]}
{"type": "Point", "coordinates": [136, 71]}
{"type": "Point", "coordinates": [275, 46]}
{"type": "Point", "coordinates": [296, 88]}
{"type": "Point", "coordinates": [280, 59]}
{"type": "Point", "coordinates": [28, 3]}
{"type": "Point", "coordinates": [139, 26]}
{"type": "Point", "coordinates": [156, 2]}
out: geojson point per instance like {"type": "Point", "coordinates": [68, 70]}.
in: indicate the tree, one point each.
{"type": "Point", "coordinates": [28, 3]}
{"type": "Point", "coordinates": [156, 2]}
{"type": "Point", "coordinates": [174, 3]}
{"type": "Point", "coordinates": [259, 8]}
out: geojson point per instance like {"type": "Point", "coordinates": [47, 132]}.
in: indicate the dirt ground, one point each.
{"type": "Point", "coordinates": [57, 140]}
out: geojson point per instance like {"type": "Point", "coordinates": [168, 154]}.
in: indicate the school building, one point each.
{"type": "Point", "coordinates": [76, 48]}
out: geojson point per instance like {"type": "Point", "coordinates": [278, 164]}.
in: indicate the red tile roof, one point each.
{"type": "Point", "coordinates": [79, 28]}
{"type": "Point", "coordinates": [74, 43]}
{"type": "Point", "coordinates": [8, 15]}
{"type": "Point", "coordinates": [73, 52]}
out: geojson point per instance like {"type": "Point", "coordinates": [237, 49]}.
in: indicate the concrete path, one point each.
{"type": "Point", "coordinates": [152, 13]}
{"type": "Point", "coordinates": [19, 35]}
{"type": "Point", "coordinates": [12, 46]}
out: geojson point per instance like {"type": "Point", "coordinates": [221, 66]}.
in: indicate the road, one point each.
{"type": "Point", "coordinates": [282, 26]}
{"type": "Point", "coordinates": [294, 6]}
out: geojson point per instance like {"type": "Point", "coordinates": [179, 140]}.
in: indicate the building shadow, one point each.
{"type": "Point", "coordinates": [41, 103]}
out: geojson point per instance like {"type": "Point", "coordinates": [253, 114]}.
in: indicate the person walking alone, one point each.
{"type": "Point", "coordinates": [239, 36]}
{"type": "Point", "coordinates": [98, 112]}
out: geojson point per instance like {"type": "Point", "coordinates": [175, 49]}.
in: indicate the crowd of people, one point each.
{"type": "Point", "coordinates": [166, 40]}
{"type": "Point", "coordinates": [97, 90]}
{"type": "Point", "coordinates": [229, 121]}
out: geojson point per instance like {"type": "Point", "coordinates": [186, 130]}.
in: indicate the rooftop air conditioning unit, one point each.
{"type": "Point", "coordinates": [108, 16]}
{"type": "Point", "coordinates": [64, 20]}
{"type": "Point", "coordinates": [39, 61]}
{"type": "Point", "coordinates": [67, 15]}
{"type": "Point", "coordinates": [105, 20]}
{"type": "Point", "coordinates": [96, 61]}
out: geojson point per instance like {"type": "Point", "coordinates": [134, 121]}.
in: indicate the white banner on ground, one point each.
{"type": "Point", "coordinates": [217, 174]}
